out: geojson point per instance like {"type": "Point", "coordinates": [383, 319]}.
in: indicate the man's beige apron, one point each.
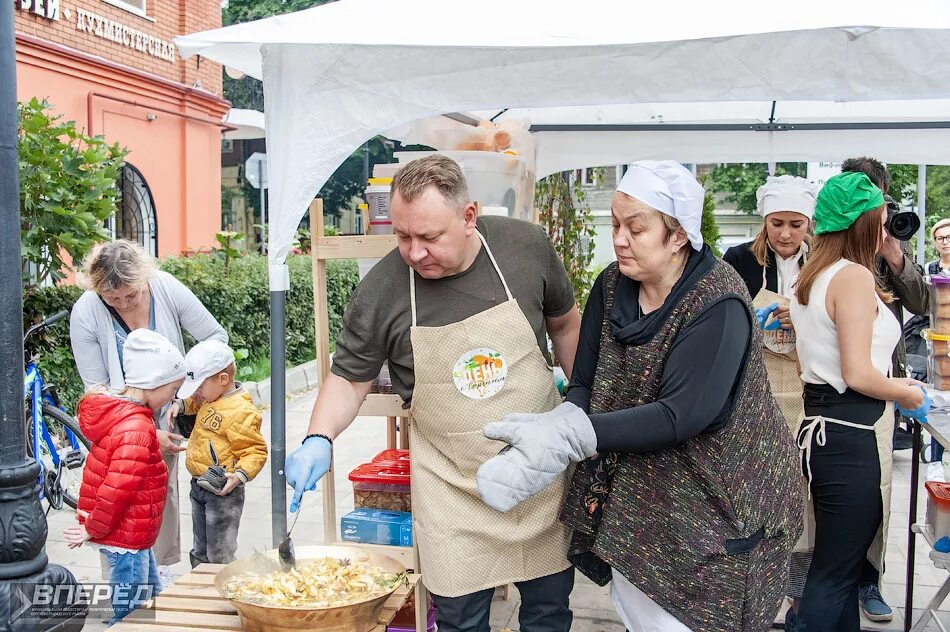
{"type": "Point", "coordinates": [781, 361]}
{"type": "Point", "coordinates": [812, 437]}
{"type": "Point", "coordinates": [468, 374]}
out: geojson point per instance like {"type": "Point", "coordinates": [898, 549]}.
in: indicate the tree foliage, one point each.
{"type": "Point", "coordinates": [67, 190]}
{"type": "Point", "coordinates": [739, 181]}
{"type": "Point", "coordinates": [566, 216]}
{"type": "Point", "coordinates": [708, 227]}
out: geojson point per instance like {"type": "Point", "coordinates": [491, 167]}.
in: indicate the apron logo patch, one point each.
{"type": "Point", "coordinates": [480, 373]}
{"type": "Point", "coordinates": [779, 341]}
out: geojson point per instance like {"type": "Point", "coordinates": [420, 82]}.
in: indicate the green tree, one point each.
{"type": "Point", "coordinates": [565, 214]}
{"type": "Point", "coordinates": [739, 181]}
{"type": "Point", "coordinates": [67, 190]}
{"type": "Point", "coordinates": [708, 226]}
{"type": "Point", "coordinates": [904, 188]}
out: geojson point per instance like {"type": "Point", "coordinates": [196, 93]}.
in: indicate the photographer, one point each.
{"type": "Point", "coordinates": [900, 276]}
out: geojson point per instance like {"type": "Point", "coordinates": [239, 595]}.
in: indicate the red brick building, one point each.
{"type": "Point", "coordinates": [111, 66]}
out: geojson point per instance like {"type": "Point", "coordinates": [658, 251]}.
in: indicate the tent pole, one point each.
{"type": "Point", "coordinates": [922, 212]}
{"type": "Point", "coordinates": [260, 178]}
{"type": "Point", "coordinates": [278, 415]}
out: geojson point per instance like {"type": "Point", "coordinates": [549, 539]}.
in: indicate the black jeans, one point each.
{"type": "Point", "coordinates": [545, 607]}
{"type": "Point", "coordinates": [845, 488]}
{"type": "Point", "coordinates": [215, 520]}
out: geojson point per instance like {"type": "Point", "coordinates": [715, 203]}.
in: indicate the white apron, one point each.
{"type": "Point", "coordinates": [811, 436]}
{"type": "Point", "coordinates": [468, 374]}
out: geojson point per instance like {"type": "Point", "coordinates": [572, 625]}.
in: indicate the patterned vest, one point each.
{"type": "Point", "coordinates": [663, 519]}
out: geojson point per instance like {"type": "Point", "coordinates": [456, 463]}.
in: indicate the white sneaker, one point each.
{"type": "Point", "coordinates": [165, 574]}
{"type": "Point", "coordinates": [935, 472]}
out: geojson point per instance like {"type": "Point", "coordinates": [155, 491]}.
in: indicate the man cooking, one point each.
{"type": "Point", "coordinates": [461, 312]}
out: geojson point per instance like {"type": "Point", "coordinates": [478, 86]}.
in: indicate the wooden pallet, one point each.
{"type": "Point", "coordinates": [193, 604]}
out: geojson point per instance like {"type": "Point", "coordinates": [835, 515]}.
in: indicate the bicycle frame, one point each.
{"type": "Point", "coordinates": [40, 435]}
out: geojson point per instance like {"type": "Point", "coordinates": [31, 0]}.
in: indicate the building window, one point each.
{"type": "Point", "coordinates": [135, 213]}
{"type": "Point", "coordinates": [133, 6]}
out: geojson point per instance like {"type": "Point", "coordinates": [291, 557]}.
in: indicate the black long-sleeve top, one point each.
{"type": "Point", "coordinates": [701, 372]}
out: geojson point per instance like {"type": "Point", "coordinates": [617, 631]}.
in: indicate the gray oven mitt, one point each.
{"type": "Point", "coordinates": [541, 447]}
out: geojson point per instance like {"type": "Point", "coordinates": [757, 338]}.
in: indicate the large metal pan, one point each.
{"type": "Point", "coordinates": [358, 617]}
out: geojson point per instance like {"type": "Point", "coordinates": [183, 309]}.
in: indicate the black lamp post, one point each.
{"type": "Point", "coordinates": [23, 561]}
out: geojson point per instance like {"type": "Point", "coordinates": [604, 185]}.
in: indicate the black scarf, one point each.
{"type": "Point", "coordinates": [626, 324]}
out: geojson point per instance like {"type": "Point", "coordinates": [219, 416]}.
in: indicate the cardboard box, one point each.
{"type": "Point", "coordinates": [377, 526]}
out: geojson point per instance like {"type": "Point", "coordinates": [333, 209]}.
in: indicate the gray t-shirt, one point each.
{"type": "Point", "coordinates": [377, 320]}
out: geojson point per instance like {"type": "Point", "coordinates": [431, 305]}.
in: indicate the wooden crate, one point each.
{"type": "Point", "coordinates": [192, 604]}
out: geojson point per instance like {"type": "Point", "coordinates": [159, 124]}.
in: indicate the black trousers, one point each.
{"type": "Point", "coordinates": [545, 607]}
{"type": "Point", "coordinates": [845, 488]}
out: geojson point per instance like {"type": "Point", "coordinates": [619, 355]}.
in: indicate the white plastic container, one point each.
{"type": "Point", "coordinates": [377, 198]}
{"type": "Point", "coordinates": [938, 508]}
{"type": "Point", "coordinates": [380, 227]}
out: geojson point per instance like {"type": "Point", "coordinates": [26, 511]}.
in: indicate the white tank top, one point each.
{"type": "Point", "coordinates": [817, 336]}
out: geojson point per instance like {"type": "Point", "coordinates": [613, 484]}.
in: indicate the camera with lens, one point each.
{"type": "Point", "coordinates": [901, 224]}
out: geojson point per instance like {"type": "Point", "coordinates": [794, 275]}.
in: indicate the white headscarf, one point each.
{"type": "Point", "coordinates": [671, 189]}
{"type": "Point", "coordinates": [787, 193]}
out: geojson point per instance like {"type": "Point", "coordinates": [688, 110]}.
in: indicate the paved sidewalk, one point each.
{"type": "Point", "coordinates": [367, 436]}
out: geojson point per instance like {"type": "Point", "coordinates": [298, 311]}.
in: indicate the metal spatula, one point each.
{"type": "Point", "coordinates": [286, 549]}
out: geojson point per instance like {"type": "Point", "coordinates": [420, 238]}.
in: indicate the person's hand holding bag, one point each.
{"type": "Point", "coordinates": [541, 447]}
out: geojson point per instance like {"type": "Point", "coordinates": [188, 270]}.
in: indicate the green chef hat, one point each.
{"type": "Point", "coordinates": [843, 199]}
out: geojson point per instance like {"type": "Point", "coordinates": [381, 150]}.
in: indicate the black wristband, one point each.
{"type": "Point", "coordinates": [322, 436]}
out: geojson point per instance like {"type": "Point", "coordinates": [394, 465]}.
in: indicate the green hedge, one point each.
{"type": "Point", "coordinates": [238, 297]}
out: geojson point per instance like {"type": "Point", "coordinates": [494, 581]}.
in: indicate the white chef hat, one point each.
{"type": "Point", "coordinates": [787, 193]}
{"type": "Point", "coordinates": [670, 188]}
{"type": "Point", "coordinates": [150, 360]}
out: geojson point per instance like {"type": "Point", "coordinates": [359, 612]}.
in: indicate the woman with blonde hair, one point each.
{"type": "Point", "coordinates": [126, 291]}
{"type": "Point", "coordinates": [769, 265]}
{"type": "Point", "coordinates": [845, 338]}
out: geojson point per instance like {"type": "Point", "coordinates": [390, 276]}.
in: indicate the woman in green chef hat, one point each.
{"type": "Point", "coordinates": [845, 339]}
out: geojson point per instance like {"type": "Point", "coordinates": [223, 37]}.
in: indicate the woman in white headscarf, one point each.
{"type": "Point", "coordinates": [686, 490]}
{"type": "Point", "coordinates": [770, 265]}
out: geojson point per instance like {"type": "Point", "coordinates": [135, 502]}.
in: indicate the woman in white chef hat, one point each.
{"type": "Point", "coordinates": [769, 265]}
{"type": "Point", "coordinates": [686, 494]}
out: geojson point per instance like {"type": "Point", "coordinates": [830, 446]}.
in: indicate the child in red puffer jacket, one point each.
{"type": "Point", "coordinates": [125, 479]}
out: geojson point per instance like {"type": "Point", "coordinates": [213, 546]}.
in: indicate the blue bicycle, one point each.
{"type": "Point", "coordinates": [52, 433]}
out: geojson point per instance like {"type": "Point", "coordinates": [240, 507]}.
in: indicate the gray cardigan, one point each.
{"type": "Point", "coordinates": [92, 334]}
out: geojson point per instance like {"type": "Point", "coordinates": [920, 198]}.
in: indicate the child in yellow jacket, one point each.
{"type": "Point", "coordinates": [225, 449]}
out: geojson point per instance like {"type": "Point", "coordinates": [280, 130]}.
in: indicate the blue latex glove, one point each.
{"type": "Point", "coordinates": [920, 414]}
{"type": "Point", "coordinates": [306, 466]}
{"type": "Point", "coordinates": [942, 545]}
{"type": "Point", "coordinates": [762, 315]}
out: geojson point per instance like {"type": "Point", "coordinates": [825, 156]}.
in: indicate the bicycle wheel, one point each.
{"type": "Point", "coordinates": [69, 479]}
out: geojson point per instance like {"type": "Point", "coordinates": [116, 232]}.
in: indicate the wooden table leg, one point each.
{"type": "Point", "coordinates": [404, 433]}
{"type": "Point", "coordinates": [390, 433]}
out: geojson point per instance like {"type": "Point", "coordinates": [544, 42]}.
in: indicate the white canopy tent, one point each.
{"type": "Point", "coordinates": [341, 73]}
{"type": "Point", "coordinates": [913, 132]}
{"type": "Point", "coordinates": [248, 124]}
